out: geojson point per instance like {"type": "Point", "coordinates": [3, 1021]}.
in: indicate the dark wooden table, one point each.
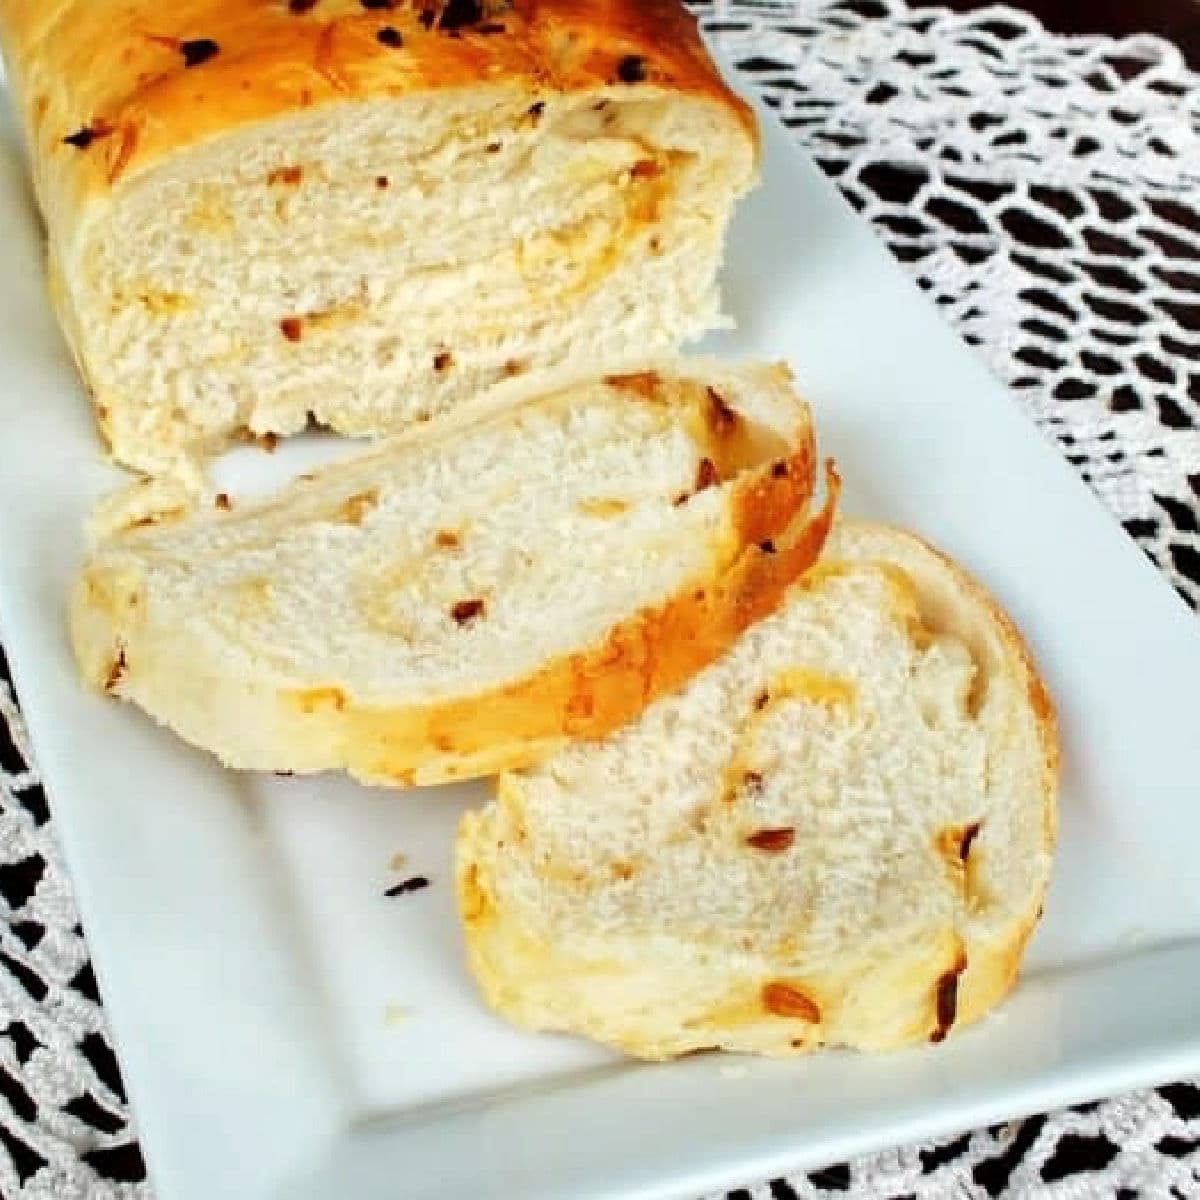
{"type": "Point", "coordinates": [1176, 20]}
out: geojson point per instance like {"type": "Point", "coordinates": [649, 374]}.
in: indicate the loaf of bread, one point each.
{"type": "Point", "coordinates": [476, 592]}
{"type": "Point", "coordinates": [361, 212]}
{"type": "Point", "coordinates": [838, 834]}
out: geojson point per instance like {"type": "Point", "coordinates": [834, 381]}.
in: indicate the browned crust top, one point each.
{"type": "Point", "coordinates": [113, 86]}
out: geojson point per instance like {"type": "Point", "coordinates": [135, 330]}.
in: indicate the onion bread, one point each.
{"type": "Point", "coordinates": [474, 593]}
{"type": "Point", "coordinates": [364, 212]}
{"type": "Point", "coordinates": [838, 834]}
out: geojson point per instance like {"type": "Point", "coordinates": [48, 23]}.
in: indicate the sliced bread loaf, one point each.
{"type": "Point", "coordinates": [475, 593]}
{"type": "Point", "coordinates": [366, 211]}
{"type": "Point", "coordinates": [839, 834]}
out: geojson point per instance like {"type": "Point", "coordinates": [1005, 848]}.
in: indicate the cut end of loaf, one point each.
{"type": "Point", "coordinates": [838, 834]}
{"type": "Point", "coordinates": [272, 280]}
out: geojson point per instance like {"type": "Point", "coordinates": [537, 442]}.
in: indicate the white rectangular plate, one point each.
{"type": "Point", "coordinates": [285, 1030]}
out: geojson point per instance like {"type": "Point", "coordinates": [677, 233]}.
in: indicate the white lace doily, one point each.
{"type": "Point", "coordinates": [1044, 191]}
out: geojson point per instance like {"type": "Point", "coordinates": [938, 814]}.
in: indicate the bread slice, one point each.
{"type": "Point", "coordinates": [366, 212]}
{"type": "Point", "coordinates": [474, 594]}
{"type": "Point", "coordinates": [839, 834]}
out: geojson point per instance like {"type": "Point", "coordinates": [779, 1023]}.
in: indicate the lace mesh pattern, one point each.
{"type": "Point", "coordinates": [1041, 189]}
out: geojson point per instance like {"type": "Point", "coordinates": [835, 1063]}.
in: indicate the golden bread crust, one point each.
{"type": "Point", "coordinates": [993, 972]}
{"type": "Point", "coordinates": [109, 89]}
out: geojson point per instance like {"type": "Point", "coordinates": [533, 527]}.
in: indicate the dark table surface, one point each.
{"type": "Point", "coordinates": [1176, 20]}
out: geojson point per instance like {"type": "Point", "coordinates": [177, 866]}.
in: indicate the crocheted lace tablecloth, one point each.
{"type": "Point", "coordinates": [1043, 191]}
